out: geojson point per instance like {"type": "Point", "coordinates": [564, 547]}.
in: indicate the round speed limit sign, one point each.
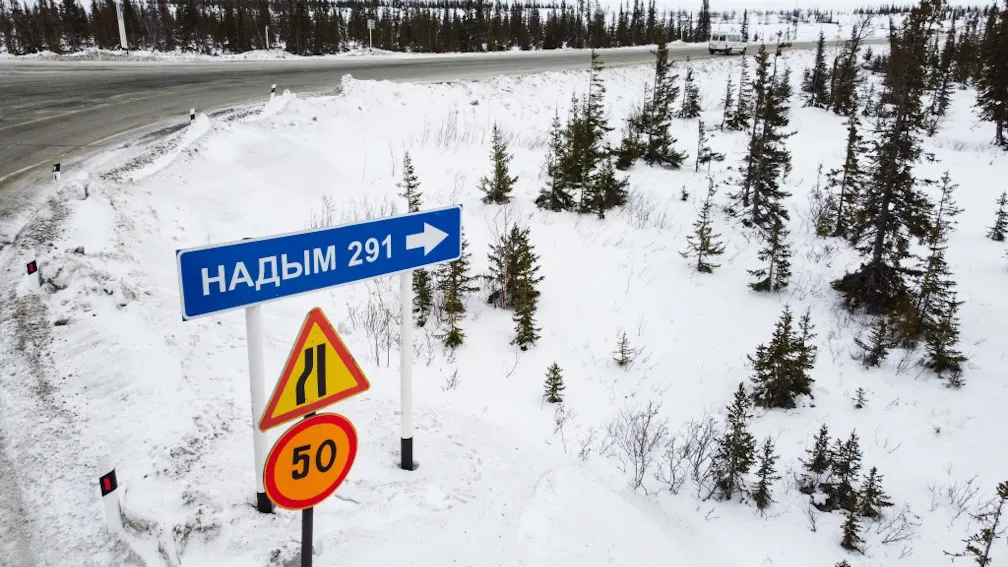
{"type": "Point", "coordinates": [310, 460]}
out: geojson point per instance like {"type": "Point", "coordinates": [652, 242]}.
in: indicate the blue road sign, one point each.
{"type": "Point", "coordinates": [227, 276]}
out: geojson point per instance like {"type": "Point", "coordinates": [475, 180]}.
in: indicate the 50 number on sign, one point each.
{"type": "Point", "coordinates": [310, 460]}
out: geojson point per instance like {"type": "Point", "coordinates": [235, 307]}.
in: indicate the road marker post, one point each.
{"type": "Point", "coordinates": [406, 372]}
{"type": "Point", "coordinates": [108, 483]}
{"type": "Point", "coordinates": [122, 26]}
{"type": "Point", "coordinates": [370, 28]}
{"type": "Point", "coordinates": [56, 173]}
{"type": "Point", "coordinates": [217, 278]}
{"type": "Point", "coordinates": [273, 91]}
{"type": "Point", "coordinates": [192, 115]}
{"type": "Point", "coordinates": [34, 273]}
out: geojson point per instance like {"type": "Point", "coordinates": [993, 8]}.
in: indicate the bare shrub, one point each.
{"type": "Point", "coordinates": [326, 217]}
{"type": "Point", "coordinates": [898, 528]}
{"type": "Point", "coordinates": [672, 472]}
{"type": "Point", "coordinates": [561, 415]}
{"type": "Point", "coordinates": [586, 445]}
{"type": "Point", "coordinates": [367, 208]}
{"type": "Point", "coordinates": [643, 211]}
{"type": "Point", "coordinates": [451, 382]}
{"type": "Point", "coordinates": [379, 318]}
{"type": "Point", "coordinates": [812, 515]}
{"type": "Point", "coordinates": [637, 433]}
{"type": "Point", "coordinates": [701, 442]}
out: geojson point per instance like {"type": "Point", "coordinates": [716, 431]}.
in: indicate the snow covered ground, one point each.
{"type": "Point", "coordinates": [104, 362]}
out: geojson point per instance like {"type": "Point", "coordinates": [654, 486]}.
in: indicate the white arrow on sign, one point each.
{"type": "Point", "coordinates": [428, 239]}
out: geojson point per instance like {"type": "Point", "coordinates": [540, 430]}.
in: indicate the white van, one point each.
{"type": "Point", "coordinates": [726, 43]}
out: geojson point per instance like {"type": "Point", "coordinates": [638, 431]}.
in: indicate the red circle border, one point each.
{"type": "Point", "coordinates": [271, 461]}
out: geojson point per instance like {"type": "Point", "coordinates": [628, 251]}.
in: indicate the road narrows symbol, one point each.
{"type": "Point", "coordinates": [305, 374]}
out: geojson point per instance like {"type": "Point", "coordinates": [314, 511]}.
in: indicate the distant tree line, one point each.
{"type": "Point", "coordinates": [315, 27]}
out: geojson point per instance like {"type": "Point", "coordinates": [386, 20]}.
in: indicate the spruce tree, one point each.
{"type": "Point", "coordinates": [845, 184]}
{"type": "Point", "coordinates": [554, 385]}
{"type": "Point", "coordinates": [814, 83]}
{"type": "Point", "coordinates": [660, 146]}
{"type": "Point", "coordinates": [872, 497]}
{"type": "Point", "coordinates": [941, 338]}
{"type": "Point", "coordinates": [852, 539]}
{"type": "Point", "coordinates": [625, 353]}
{"type": "Point", "coordinates": [743, 115]}
{"type": "Point", "coordinates": [744, 29]}
{"type": "Point", "coordinates": [455, 282]}
{"type": "Point", "coordinates": [526, 295]}
{"type": "Point", "coordinates": [781, 369]}
{"type": "Point", "coordinates": [879, 343]}
{"type": "Point", "coordinates": [845, 469]}
{"type": "Point", "coordinates": [606, 190]}
{"type": "Point", "coordinates": [997, 232]}
{"type": "Point", "coordinates": [703, 243]}
{"type": "Point", "coordinates": [596, 127]}
{"type": "Point", "coordinates": [992, 79]}
{"type": "Point", "coordinates": [727, 104]}
{"type": "Point", "coordinates": [704, 153]}
{"type": "Point", "coordinates": [936, 283]}
{"type": "Point", "coordinates": [818, 463]}
{"type": "Point", "coordinates": [846, 77]}
{"type": "Point", "coordinates": [632, 143]}
{"type": "Point", "coordinates": [776, 255]}
{"type": "Point", "coordinates": [893, 208]}
{"type": "Point", "coordinates": [766, 473]}
{"type": "Point", "coordinates": [736, 448]}
{"type": "Point", "coordinates": [555, 195]}
{"type": "Point", "coordinates": [423, 296]}
{"type": "Point", "coordinates": [691, 95]}
{"type": "Point", "coordinates": [497, 186]}
{"type": "Point", "coordinates": [767, 158]}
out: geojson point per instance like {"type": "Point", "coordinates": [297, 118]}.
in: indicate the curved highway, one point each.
{"type": "Point", "coordinates": [56, 110]}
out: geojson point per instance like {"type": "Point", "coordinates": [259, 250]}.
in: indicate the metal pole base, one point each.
{"type": "Point", "coordinates": [406, 450]}
{"type": "Point", "coordinates": [263, 503]}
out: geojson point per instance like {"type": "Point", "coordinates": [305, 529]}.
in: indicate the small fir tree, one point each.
{"type": "Point", "coordinates": [607, 190]}
{"type": "Point", "coordinates": [736, 448]}
{"type": "Point", "coordinates": [455, 282]}
{"type": "Point", "coordinates": [742, 116]}
{"type": "Point", "coordinates": [997, 232]}
{"type": "Point", "coordinates": [776, 255]}
{"type": "Point", "coordinates": [872, 498]}
{"type": "Point", "coordinates": [846, 467]}
{"type": "Point", "coordinates": [554, 385]}
{"type": "Point", "coordinates": [876, 349]}
{"type": "Point", "coordinates": [815, 82]}
{"type": "Point", "coordinates": [940, 339]}
{"type": "Point", "coordinates": [703, 243]}
{"type": "Point", "coordinates": [782, 368]}
{"type": "Point", "coordinates": [526, 294]}
{"type": "Point", "coordinates": [845, 185]}
{"type": "Point", "coordinates": [704, 153]}
{"type": "Point", "coordinates": [497, 187]}
{"type": "Point", "coordinates": [625, 354]}
{"type": "Point", "coordinates": [691, 95]}
{"type": "Point", "coordinates": [852, 539]}
{"type": "Point", "coordinates": [766, 473]}
{"type": "Point", "coordinates": [423, 296]}
{"type": "Point", "coordinates": [727, 104]}
{"type": "Point", "coordinates": [818, 463]}
{"type": "Point", "coordinates": [860, 398]}
{"type": "Point", "coordinates": [659, 147]}
{"type": "Point", "coordinates": [555, 195]}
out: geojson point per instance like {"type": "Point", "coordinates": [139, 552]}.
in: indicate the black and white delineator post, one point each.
{"type": "Point", "coordinates": [267, 38]}
{"type": "Point", "coordinates": [56, 173]}
{"type": "Point", "coordinates": [370, 28]}
{"type": "Point", "coordinates": [257, 378]}
{"type": "Point", "coordinates": [192, 115]}
{"type": "Point", "coordinates": [406, 370]}
{"type": "Point", "coordinates": [108, 484]}
{"type": "Point", "coordinates": [122, 25]}
{"type": "Point", "coordinates": [257, 385]}
{"type": "Point", "coordinates": [273, 91]}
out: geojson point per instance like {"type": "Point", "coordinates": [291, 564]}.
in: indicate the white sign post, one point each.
{"type": "Point", "coordinates": [370, 28]}
{"type": "Point", "coordinates": [122, 26]}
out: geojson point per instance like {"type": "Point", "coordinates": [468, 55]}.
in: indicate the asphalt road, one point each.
{"type": "Point", "coordinates": [51, 111]}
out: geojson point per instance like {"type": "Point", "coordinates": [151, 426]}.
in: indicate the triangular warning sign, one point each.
{"type": "Point", "coordinates": [320, 371]}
